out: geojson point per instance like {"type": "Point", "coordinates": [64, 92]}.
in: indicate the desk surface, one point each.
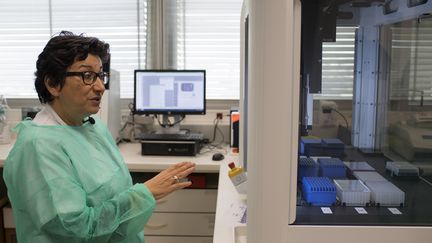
{"type": "Point", "coordinates": [227, 208]}
{"type": "Point", "coordinates": [138, 163]}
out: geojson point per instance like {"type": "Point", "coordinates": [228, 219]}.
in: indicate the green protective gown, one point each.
{"type": "Point", "coordinates": [70, 184]}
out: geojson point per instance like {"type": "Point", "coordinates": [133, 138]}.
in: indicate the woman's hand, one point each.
{"type": "Point", "coordinates": [167, 181]}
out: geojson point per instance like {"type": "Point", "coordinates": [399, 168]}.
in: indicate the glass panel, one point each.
{"type": "Point", "coordinates": [408, 118]}
{"type": "Point", "coordinates": [367, 161]}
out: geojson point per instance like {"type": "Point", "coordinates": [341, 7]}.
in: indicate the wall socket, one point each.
{"type": "Point", "coordinates": [219, 115]}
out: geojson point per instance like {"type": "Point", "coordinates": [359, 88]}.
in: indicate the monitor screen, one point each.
{"type": "Point", "coordinates": [169, 92]}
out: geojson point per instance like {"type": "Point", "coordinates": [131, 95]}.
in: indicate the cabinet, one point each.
{"type": "Point", "coordinates": [9, 225]}
{"type": "Point", "coordinates": [186, 215]}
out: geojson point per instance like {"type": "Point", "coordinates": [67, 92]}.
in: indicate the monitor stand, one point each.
{"type": "Point", "coordinates": [166, 128]}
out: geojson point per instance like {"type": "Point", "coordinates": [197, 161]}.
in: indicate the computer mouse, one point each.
{"type": "Point", "coordinates": [218, 157]}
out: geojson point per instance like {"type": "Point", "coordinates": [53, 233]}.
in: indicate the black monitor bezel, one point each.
{"type": "Point", "coordinates": [168, 112]}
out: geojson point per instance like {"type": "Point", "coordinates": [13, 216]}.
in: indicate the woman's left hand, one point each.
{"type": "Point", "coordinates": [168, 180]}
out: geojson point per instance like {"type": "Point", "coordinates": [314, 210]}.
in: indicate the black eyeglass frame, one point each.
{"type": "Point", "coordinates": [101, 75]}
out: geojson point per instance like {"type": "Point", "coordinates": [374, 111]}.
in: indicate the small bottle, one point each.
{"type": "Point", "coordinates": [238, 177]}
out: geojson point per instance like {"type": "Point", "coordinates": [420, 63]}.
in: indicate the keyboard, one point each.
{"type": "Point", "coordinates": [171, 137]}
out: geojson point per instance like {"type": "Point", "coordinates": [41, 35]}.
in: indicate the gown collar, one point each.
{"type": "Point", "coordinates": [47, 116]}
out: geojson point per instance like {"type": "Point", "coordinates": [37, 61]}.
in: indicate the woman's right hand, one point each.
{"type": "Point", "coordinates": [167, 181]}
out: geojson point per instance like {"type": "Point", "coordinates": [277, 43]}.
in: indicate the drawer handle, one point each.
{"type": "Point", "coordinates": [161, 201]}
{"type": "Point", "coordinates": [156, 226]}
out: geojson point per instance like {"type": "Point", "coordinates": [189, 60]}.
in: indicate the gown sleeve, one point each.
{"type": "Point", "coordinates": [58, 201]}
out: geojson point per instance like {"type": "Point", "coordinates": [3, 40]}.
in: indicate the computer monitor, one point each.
{"type": "Point", "coordinates": [169, 92]}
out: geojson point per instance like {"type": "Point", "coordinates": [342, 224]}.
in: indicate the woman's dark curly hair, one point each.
{"type": "Point", "coordinates": [60, 53]}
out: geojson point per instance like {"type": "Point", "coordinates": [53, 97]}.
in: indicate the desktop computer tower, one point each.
{"type": "Point", "coordinates": [173, 148]}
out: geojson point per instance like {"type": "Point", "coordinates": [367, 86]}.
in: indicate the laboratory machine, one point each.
{"type": "Point", "coordinates": [337, 96]}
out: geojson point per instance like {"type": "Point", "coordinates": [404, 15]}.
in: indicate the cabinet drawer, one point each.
{"type": "Point", "coordinates": [187, 224]}
{"type": "Point", "coordinates": [189, 200]}
{"type": "Point", "coordinates": [177, 239]}
{"type": "Point", "coordinates": [8, 220]}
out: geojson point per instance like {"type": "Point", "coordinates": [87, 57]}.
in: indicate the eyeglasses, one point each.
{"type": "Point", "coordinates": [89, 77]}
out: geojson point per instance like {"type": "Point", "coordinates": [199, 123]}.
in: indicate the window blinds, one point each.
{"type": "Point", "coordinates": [411, 62]}
{"type": "Point", "coordinates": [338, 65]}
{"type": "Point", "coordinates": [24, 31]}
{"type": "Point", "coordinates": [122, 24]}
{"type": "Point", "coordinates": [209, 38]}
{"type": "Point", "coordinates": [26, 26]}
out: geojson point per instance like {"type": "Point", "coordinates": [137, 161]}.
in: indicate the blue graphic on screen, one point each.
{"type": "Point", "coordinates": [170, 92]}
{"type": "Point", "coordinates": [187, 87]}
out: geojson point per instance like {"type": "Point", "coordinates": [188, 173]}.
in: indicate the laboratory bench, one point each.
{"type": "Point", "coordinates": [205, 214]}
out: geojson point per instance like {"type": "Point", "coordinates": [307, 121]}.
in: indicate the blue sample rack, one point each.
{"type": "Point", "coordinates": [332, 167]}
{"type": "Point", "coordinates": [307, 168]}
{"type": "Point", "coordinates": [333, 147]}
{"type": "Point", "coordinates": [319, 191]}
{"type": "Point", "coordinates": [311, 147]}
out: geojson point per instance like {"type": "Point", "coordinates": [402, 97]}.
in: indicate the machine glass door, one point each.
{"type": "Point", "coordinates": [367, 157]}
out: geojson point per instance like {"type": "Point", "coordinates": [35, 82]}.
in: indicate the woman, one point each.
{"type": "Point", "coordinates": [66, 179]}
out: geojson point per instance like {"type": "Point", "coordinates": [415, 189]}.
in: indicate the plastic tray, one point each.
{"type": "Point", "coordinates": [368, 176]}
{"type": "Point", "coordinates": [359, 166]}
{"type": "Point", "coordinates": [384, 193]}
{"type": "Point", "coordinates": [352, 192]}
{"type": "Point", "coordinates": [402, 169]}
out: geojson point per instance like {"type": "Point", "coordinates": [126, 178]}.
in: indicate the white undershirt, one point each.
{"type": "Point", "coordinates": [47, 116]}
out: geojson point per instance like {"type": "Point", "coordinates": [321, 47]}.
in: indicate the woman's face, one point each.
{"type": "Point", "coordinates": [76, 100]}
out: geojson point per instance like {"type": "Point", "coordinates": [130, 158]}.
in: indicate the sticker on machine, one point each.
{"type": "Point", "coordinates": [361, 210]}
{"type": "Point", "coordinates": [326, 210]}
{"type": "Point", "coordinates": [395, 211]}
